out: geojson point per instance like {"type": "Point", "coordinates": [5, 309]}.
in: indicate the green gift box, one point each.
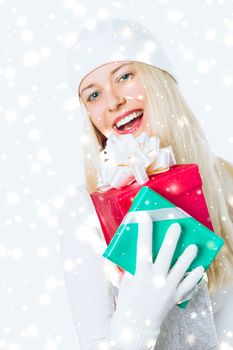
{"type": "Point", "coordinates": [122, 250]}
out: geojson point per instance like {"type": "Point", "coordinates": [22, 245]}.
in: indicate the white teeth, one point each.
{"type": "Point", "coordinates": [128, 118]}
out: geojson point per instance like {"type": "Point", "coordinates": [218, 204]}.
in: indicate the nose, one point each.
{"type": "Point", "coordinates": [114, 99]}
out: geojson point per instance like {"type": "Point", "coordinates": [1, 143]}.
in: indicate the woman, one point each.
{"type": "Point", "coordinates": [125, 84]}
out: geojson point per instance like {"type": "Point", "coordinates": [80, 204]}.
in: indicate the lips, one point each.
{"type": "Point", "coordinates": [125, 115]}
{"type": "Point", "coordinates": [129, 126]}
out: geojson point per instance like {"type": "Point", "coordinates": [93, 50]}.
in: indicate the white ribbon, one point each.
{"type": "Point", "coordinates": [126, 159]}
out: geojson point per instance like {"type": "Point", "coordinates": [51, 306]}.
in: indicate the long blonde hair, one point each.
{"type": "Point", "coordinates": [173, 122]}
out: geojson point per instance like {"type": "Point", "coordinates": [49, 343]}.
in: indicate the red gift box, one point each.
{"type": "Point", "coordinates": [182, 185]}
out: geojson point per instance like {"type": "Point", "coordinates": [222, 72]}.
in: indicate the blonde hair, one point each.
{"type": "Point", "coordinates": [173, 122]}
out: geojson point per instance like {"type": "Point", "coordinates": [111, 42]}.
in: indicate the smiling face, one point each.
{"type": "Point", "coordinates": [115, 99]}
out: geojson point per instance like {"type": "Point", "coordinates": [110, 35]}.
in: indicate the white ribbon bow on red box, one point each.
{"type": "Point", "coordinates": [126, 159]}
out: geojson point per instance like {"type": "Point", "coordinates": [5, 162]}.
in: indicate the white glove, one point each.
{"type": "Point", "coordinates": [145, 299]}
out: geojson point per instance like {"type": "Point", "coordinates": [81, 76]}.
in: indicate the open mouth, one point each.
{"type": "Point", "coordinates": [130, 123]}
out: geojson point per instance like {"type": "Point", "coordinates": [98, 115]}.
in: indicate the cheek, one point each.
{"type": "Point", "coordinates": [135, 90]}
{"type": "Point", "coordinates": [97, 119]}
{"type": "Point", "coordinates": [94, 114]}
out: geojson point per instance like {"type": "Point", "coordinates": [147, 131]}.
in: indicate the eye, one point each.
{"type": "Point", "coordinates": [93, 96]}
{"type": "Point", "coordinates": [126, 76]}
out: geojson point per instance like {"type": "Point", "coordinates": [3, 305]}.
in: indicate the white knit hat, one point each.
{"type": "Point", "coordinates": [110, 41]}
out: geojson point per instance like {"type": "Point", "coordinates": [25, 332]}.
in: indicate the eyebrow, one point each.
{"type": "Point", "coordinates": [112, 72]}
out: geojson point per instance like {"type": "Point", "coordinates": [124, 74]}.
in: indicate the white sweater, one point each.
{"type": "Point", "coordinates": [92, 281]}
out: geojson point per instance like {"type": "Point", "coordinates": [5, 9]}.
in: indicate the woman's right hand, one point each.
{"type": "Point", "coordinates": [145, 299]}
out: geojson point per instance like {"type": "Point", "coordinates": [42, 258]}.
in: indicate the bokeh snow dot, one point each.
{"type": "Point", "coordinates": [9, 72]}
{"type": "Point", "coordinates": [45, 52]}
{"type": "Point", "coordinates": [21, 21]}
{"type": "Point", "coordinates": [31, 58]}
{"type": "Point", "coordinates": [34, 134]}
{"type": "Point", "coordinates": [51, 345]}
{"type": "Point", "coordinates": [43, 251]}
{"type": "Point", "coordinates": [13, 198]}
{"type": "Point", "coordinates": [203, 67]}
{"type": "Point", "coordinates": [228, 80]}
{"type": "Point", "coordinates": [174, 16]}
{"type": "Point", "coordinates": [26, 36]}
{"type": "Point", "coordinates": [10, 115]}
{"type": "Point", "coordinates": [23, 100]}
{"type": "Point", "coordinates": [45, 299]}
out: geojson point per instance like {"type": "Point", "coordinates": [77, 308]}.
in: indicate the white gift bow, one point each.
{"type": "Point", "coordinates": [126, 159]}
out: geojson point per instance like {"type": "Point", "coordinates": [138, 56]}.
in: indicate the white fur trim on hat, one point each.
{"type": "Point", "coordinates": [110, 41]}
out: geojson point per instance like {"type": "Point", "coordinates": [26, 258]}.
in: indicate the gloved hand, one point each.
{"type": "Point", "coordinates": [145, 299]}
